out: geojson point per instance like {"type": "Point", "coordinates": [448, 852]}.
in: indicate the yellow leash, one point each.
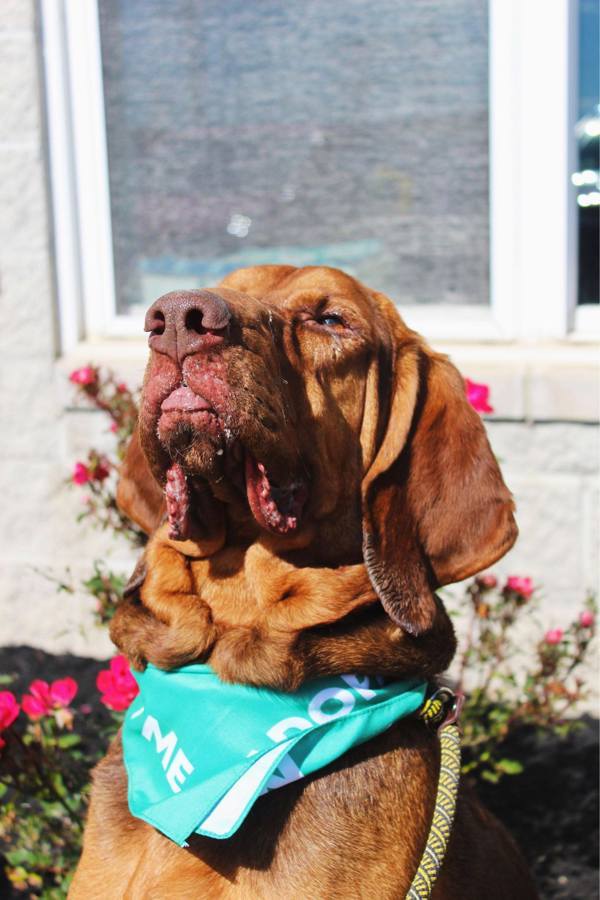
{"type": "Point", "coordinates": [444, 707]}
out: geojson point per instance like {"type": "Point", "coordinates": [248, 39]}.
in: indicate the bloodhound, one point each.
{"type": "Point", "coordinates": [309, 471]}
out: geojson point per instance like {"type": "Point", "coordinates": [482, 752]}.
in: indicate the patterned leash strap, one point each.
{"type": "Point", "coordinates": [441, 709]}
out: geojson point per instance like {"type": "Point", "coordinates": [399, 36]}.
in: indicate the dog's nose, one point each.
{"type": "Point", "coordinates": [185, 322]}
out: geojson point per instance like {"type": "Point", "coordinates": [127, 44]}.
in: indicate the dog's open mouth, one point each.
{"type": "Point", "coordinates": [276, 507]}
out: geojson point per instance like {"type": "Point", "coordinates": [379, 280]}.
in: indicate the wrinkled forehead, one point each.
{"type": "Point", "coordinates": [320, 283]}
{"type": "Point", "coordinates": [287, 289]}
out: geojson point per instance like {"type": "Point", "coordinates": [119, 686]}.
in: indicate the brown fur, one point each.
{"type": "Point", "coordinates": [405, 495]}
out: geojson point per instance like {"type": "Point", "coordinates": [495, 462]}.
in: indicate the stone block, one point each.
{"type": "Point", "coordinates": [19, 98]}
{"type": "Point", "coordinates": [551, 536]}
{"type": "Point", "coordinates": [17, 15]}
{"type": "Point", "coordinates": [23, 225]}
{"type": "Point", "coordinates": [26, 294]}
{"type": "Point", "coordinates": [568, 394]}
{"type": "Point", "coordinates": [30, 414]}
{"type": "Point", "coordinates": [591, 548]}
{"type": "Point", "coordinates": [572, 448]}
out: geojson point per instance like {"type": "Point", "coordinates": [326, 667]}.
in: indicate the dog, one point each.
{"type": "Point", "coordinates": [309, 472]}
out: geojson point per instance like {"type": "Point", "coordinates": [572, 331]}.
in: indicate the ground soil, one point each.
{"type": "Point", "coordinates": [551, 809]}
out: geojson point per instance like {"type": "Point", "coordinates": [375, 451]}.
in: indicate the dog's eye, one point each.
{"type": "Point", "coordinates": [331, 320]}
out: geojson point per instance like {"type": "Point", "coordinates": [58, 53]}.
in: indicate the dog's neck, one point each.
{"type": "Point", "coordinates": [267, 619]}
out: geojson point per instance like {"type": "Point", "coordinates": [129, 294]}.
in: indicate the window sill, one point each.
{"type": "Point", "coordinates": [556, 381]}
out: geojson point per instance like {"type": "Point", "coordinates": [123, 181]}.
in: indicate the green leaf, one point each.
{"type": "Point", "coordinates": [510, 766]}
{"type": "Point", "coordinates": [493, 777]}
{"type": "Point", "coordinates": [68, 740]}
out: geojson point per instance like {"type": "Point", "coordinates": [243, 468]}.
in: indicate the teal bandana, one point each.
{"type": "Point", "coordinates": [198, 752]}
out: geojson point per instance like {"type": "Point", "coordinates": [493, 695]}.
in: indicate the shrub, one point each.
{"type": "Point", "coordinates": [514, 672]}
{"type": "Point", "coordinates": [45, 765]}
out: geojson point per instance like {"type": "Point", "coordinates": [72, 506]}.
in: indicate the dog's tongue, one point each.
{"type": "Point", "coordinates": [178, 503]}
{"type": "Point", "coordinates": [276, 509]}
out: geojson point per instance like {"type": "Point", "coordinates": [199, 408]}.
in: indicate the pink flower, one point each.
{"type": "Point", "coordinates": [38, 703]}
{"type": "Point", "coordinates": [114, 427]}
{"type": "Point", "coordinates": [117, 685]}
{"type": "Point", "coordinates": [122, 388]}
{"type": "Point", "coordinates": [81, 474]}
{"type": "Point", "coordinates": [554, 636]}
{"type": "Point", "coordinates": [586, 619]}
{"type": "Point", "coordinates": [478, 396]}
{"type": "Point", "coordinates": [488, 582]}
{"type": "Point", "coordinates": [41, 691]}
{"type": "Point", "coordinates": [44, 698]}
{"type": "Point", "coordinates": [62, 691]}
{"type": "Point", "coordinates": [85, 375]}
{"type": "Point", "coordinates": [520, 585]}
{"type": "Point", "coordinates": [9, 709]}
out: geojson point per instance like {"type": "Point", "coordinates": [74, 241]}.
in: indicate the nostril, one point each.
{"type": "Point", "coordinates": [156, 325]}
{"type": "Point", "coordinates": [193, 321]}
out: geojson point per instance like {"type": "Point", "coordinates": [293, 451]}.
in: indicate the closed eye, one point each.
{"type": "Point", "coordinates": [330, 320]}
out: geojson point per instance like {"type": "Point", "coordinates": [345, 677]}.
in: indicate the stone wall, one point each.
{"type": "Point", "coordinates": [552, 469]}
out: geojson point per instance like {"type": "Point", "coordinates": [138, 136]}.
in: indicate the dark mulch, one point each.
{"type": "Point", "coordinates": [551, 809]}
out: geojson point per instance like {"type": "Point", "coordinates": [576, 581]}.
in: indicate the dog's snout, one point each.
{"type": "Point", "coordinates": [185, 322]}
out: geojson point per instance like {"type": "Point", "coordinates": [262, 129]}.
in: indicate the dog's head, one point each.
{"type": "Point", "coordinates": [295, 406]}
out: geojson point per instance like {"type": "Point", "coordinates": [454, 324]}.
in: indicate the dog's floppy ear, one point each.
{"type": "Point", "coordinates": [139, 495]}
{"type": "Point", "coordinates": [435, 507]}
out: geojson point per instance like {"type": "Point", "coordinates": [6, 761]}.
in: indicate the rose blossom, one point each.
{"type": "Point", "coordinates": [586, 619]}
{"type": "Point", "coordinates": [62, 691]}
{"type": "Point", "coordinates": [9, 709]}
{"type": "Point", "coordinates": [44, 698]}
{"type": "Point", "coordinates": [85, 375]}
{"type": "Point", "coordinates": [478, 396]}
{"type": "Point", "coordinates": [37, 703]}
{"type": "Point", "coordinates": [554, 636]}
{"type": "Point", "coordinates": [81, 474]}
{"type": "Point", "coordinates": [520, 585]}
{"type": "Point", "coordinates": [117, 685]}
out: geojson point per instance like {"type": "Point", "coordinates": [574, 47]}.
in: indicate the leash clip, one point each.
{"type": "Point", "coordinates": [453, 715]}
{"type": "Point", "coordinates": [443, 708]}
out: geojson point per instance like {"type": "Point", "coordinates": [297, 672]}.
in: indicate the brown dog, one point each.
{"type": "Point", "coordinates": [323, 474]}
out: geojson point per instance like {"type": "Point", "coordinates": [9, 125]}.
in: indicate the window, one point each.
{"type": "Point", "coordinates": [352, 135]}
{"type": "Point", "coordinates": [587, 131]}
{"type": "Point", "coordinates": [205, 136]}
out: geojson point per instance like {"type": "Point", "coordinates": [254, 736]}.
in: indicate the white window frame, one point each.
{"type": "Point", "coordinates": [532, 201]}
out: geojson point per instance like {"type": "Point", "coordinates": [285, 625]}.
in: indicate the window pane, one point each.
{"type": "Point", "coordinates": [587, 131]}
{"type": "Point", "coordinates": [351, 134]}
